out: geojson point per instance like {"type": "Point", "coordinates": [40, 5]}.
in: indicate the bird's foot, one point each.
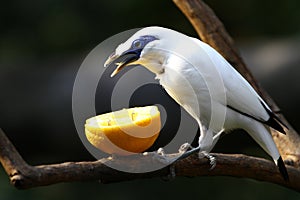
{"type": "Point", "coordinates": [184, 147]}
{"type": "Point", "coordinates": [161, 152]}
{"type": "Point", "coordinates": [186, 150]}
{"type": "Point", "coordinates": [211, 158]}
{"type": "Point", "coordinates": [161, 157]}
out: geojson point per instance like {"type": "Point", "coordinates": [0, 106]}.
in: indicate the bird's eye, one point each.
{"type": "Point", "coordinates": [137, 44]}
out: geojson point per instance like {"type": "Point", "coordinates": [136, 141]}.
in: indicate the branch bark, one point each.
{"type": "Point", "coordinates": [24, 176]}
{"type": "Point", "coordinates": [211, 30]}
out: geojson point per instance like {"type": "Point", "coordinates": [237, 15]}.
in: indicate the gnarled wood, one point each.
{"type": "Point", "coordinates": [24, 176]}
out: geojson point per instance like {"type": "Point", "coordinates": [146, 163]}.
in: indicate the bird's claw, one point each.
{"type": "Point", "coordinates": [184, 147]}
{"type": "Point", "coordinates": [211, 158]}
{"type": "Point", "coordinates": [161, 157]}
{"type": "Point", "coordinates": [186, 150]}
{"type": "Point", "coordinates": [166, 160]}
{"type": "Point", "coordinates": [160, 152]}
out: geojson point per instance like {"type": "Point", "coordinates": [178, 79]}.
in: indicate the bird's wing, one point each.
{"type": "Point", "coordinates": [240, 95]}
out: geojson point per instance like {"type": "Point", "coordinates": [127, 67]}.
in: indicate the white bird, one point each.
{"type": "Point", "coordinates": [199, 79]}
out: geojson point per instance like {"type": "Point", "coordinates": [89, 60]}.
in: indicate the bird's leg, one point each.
{"type": "Point", "coordinates": [201, 154]}
{"type": "Point", "coordinates": [216, 137]}
{"type": "Point", "coordinates": [205, 153]}
{"type": "Point", "coordinates": [187, 153]}
{"type": "Point", "coordinates": [186, 150]}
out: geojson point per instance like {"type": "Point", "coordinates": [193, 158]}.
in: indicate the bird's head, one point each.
{"type": "Point", "coordinates": [143, 48]}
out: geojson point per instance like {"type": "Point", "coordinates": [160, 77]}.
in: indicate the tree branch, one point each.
{"type": "Point", "coordinates": [24, 176]}
{"type": "Point", "coordinates": [211, 30]}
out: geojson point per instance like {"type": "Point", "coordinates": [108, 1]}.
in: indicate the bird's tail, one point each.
{"type": "Point", "coordinates": [282, 168]}
{"type": "Point", "coordinates": [261, 134]}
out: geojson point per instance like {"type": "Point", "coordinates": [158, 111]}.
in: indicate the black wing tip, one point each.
{"type": "Point", "coordinates": [274, 121]}
{"type": "Point", "coordinates": [282, 169]}
{"type": "Point", "coordinates": [274, 124]}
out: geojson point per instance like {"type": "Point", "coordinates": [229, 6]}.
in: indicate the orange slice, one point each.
{"type": "Point", "coordinates": [126, 131]}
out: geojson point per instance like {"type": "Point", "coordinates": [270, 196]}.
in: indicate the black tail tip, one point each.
{"type": "Point", "coordinates": [282, 169]}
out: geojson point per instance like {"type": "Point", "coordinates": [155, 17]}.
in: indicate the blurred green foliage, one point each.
{"type": "Point", "coordinates": [30, 29]}
{"type": "Point", "coordinates": [256, 18]}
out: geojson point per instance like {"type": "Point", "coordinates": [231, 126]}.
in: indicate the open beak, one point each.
{"type": "Point", "coordinates": [121, 60]}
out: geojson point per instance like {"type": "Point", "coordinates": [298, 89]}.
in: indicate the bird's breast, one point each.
{"type": "Point", "coordinates": [188, 89]}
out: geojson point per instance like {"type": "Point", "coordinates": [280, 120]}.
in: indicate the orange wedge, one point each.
{"type": "Point", "coordinates": [126, 131]}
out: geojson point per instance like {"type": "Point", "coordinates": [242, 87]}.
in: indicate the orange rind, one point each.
{"type": "Point", "coordinates": [126, 131]}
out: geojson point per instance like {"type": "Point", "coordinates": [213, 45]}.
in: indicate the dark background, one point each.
{"type": "Point", "coordinates": [42, 45]}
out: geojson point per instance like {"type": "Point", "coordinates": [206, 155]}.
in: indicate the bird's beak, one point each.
{"type": "Point", "coordinates": [122, 60]}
